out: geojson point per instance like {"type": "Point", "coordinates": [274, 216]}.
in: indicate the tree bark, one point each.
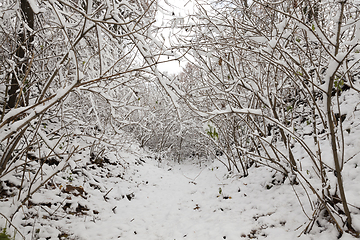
{"type": "Point", "coordinates": [25, 42]}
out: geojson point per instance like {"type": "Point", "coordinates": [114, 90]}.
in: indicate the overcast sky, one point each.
{"type": "Point", "coordinates": [177, 8]}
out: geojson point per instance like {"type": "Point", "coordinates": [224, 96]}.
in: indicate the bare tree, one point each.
{"type": "Point", "coordinates": [71, 71]}
{"type": "Point", "coordinates": [272, 76]}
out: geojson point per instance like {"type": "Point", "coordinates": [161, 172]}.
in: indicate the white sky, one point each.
{"type": "Point", "coordinates": [180, 8]}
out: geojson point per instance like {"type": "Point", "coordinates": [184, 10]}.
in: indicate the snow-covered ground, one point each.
{"type": "Point", "coordinates": [162, 201]}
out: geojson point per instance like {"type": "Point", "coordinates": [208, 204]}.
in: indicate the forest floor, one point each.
{"type": "Point", "coordinates": [149, 200]}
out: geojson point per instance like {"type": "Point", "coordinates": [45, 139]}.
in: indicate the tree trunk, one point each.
{"type": "Point", "coordinates": [25, 42]}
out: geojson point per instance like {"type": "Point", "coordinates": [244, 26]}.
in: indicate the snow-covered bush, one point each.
{"type": "Point", "coordinates": [271, 76]}
{"type": "Point", "coordinates": [70, 72]}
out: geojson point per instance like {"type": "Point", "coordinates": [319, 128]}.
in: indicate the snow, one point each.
{"type": "Point", "coordinates": [136, 196]}
{"type": "Point", "coordinates": [236, 110]}
{"type": "Point", "coordinates": [333, 65]}
{"type": "Point", "coordinates": [156, 201]}
{"type": "Point", "coordinates": [14, 112]}
{"type": "Point", "coordinates": [272, 43]}
{"type": "Point", "coordinates": [34, 6]}
{"type": "Point", "coordinates": [281, 26]}
{"type": "Point", "coordinates": [49, 143]}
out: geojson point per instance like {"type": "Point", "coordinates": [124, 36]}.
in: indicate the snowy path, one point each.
{"type": "Point", "coordinates": [172, 203]}
{"type": "Point", "coordinates": [184, 203]}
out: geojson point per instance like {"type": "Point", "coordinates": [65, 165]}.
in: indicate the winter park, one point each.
{"type": "Point", "coordinates": [187, 119]}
